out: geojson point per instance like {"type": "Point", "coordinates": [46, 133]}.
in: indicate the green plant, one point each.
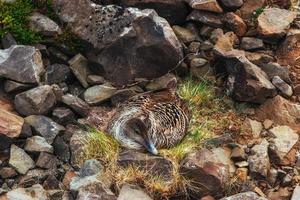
{"type": "Point", "coordinates": [14, 19]}
{"type": "Point", "coordinates": [257, 12]}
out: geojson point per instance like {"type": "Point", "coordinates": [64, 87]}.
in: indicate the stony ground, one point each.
{"type": "Point", "coordinates": [237, 64]}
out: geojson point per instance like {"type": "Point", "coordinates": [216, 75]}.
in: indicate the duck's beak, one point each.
{"type": "Point", "coordinates": [150, 147]}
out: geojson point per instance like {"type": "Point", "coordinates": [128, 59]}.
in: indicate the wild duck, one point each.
{"type": "Point", "coordinates": [150, 121]}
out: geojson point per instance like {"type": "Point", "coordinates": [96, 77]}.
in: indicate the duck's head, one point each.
{"type": "Point", "coordinates": [138, 131]}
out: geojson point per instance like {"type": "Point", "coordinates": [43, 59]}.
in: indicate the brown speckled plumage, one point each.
{"type": "Point", "coordinates": [164, 115]}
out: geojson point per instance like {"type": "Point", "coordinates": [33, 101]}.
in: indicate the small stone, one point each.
{"type": "Point", "coordinates": [57, 73]}
{"type": "Point", "coordinates": [43, 25]}
{"type": "Point", "coordinates": [34, 176]}
{"type": "Point", "coordinates": [268, 124]}
{"type": "Point", "coordinates": [13, 86]}
{"type": "Point", "coordinates": [232, 4]}
{"type": "Point", "coordinates": [8, 40]}
{"type": "Point", "coordinates": [90, 168]}
{"type": "Point", "coordinates": [198, 62]}
{"type": "Point", "coordinates": [207, 5]}
{"type": "Point", "coordinates": [96, 191]}
{"type": "Point", "coordinates": [184, 35]}
{"type": "Point", "coordinates": [242, 164]}
{"type": "Point", "coordinates": [67, 178]}
{"type": "Point", "coordinates": [235, 23]}
{"type": "Point", "coordinates": [39, 100]}
{"type": "Point", "coordinates": [121, 96]}
{"type": "Point", "coordinates": [208, 197]}
{"type": "Point", "coordinates": [272, 176]}
{"type": "Point", "coordinates": [20, 160]}
{"type": "Point", "coordinates": [79, 66]}
{"type": "Point", "coordinates": [254, 126]}
{"type": "Point", "coordinates": [274, 69]}
{"type": "Point", "coordinates": [259, 162]}
{"type": "Point", "coordinates": [282, 86]}
{"type": "Point", "coordinates": [98, 94]}
{"type": "Point", "coordinates": [250, 43]}
{"type": "Point", "coordinates": [10, 124]}
{"type": "Point", "coordinates": [207, 18]}
{"type": "Point", "coordinates": [95, 80]}
{"type": "Point", "coordinates": [242, 174]}
{"type": "Point", "coordinates": [166, 81]}
{"type": "Point", "coordinates": [38, 144]}
{"type": "Point", "coordinates": [77, 104]}
{"type": "Point", "coordinates": [286, 181]}
{"type": "Point", "coordinates": [63, 115]}
{"type": "Point", "coordinates": [46, 161]}
{"type": "Point", "coordinates": [7, 172]}
{"type": "Point", "coordinates": [238, 154]}
{"type": "Point", "coordinates": [57, 56]}
{"type": "Point", "coordinates": [133, 193]}
{"type": "Point", "coordinates": [51, 183]}
{"type": "Point", "coordinates": [296, 193]}
{"type": "Point", "coordinates": [45, 127]}
{"type": "Point", "coordinates": [36, 192]}
{"type": "Point", "coordinates": [244, 196]}
{"type": "Point", "coordinates": [194, 47]}
{"type": "Point", "coordinates": [61, 149]}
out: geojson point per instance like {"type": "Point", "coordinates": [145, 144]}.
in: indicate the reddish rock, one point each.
{"type": "Point", "coordinates": [67, 178]}
{"type": "Point", "coordinates": [207, 5]}
{"type": "Point", "coordinates": [250, 6]}
{"type": "Point", "coordinates": [10, 124]}
{"type": "Point", "coordinates": [235, 23]}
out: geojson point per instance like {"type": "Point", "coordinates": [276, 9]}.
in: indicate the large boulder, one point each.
{"type": "Point", "coordinates": [134, 43]}
{"type": "Point", "coordinates": [39, 100]}
{"type": "Point", "coordinates": [21, 63]}
{"type": "Point", "coordinates": [247, 82]}
{"type": "Point", "coordinates": [273, 23]}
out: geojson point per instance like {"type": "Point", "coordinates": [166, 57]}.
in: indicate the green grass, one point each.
{"type": "Point", "coordinates": [14, 19]}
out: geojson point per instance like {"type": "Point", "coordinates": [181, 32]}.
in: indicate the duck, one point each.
{"type": "Point", "coordinates": [151, 120]}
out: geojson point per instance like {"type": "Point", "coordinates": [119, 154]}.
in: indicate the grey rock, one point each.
{"type": "Point", "coordinates": [7, 172]}
{"type": "Point", "coordinates": [61, 149]}
{"type": "Point", "coordinates": [251, 43]}
{"type": "Point", "coordinates": [38, 144]}
{"type": "Point", "coordinates": [43, 25]}
{"type": "Point", "coordinates": [77, 104]}
{"type": "Point", "coordinates": [274, 69]}
{"type": "Point", "coordinates": [63, 115]}
{"type": "Point", "coordinates": [207, 18]}
{"type": "Point", "coordinates": [284, 88]}
{"type": "Point", "coordinates": [22, 64]}
{"type": "Point", "coordinates": [47, 161]}
{"type": "Point", "coordinates": [232, 4]}
{"type": "Point", "coordinates": [45, 127]}
{"type": "Point", "coordinates": [79, 67]}
{"type": "Point", "coordinates": [57, 73]}
{"type": "Point", "coordinates": [296, 193]}
{"type": "Point", "coordinates": [259, 162]}
{"type": "Point", "coordinates": [166, 81]}
{"type": "Point", "coordinates": [95, 80]}
{"type": "Point", "coordinates": [184, 35]}
{"type": "Point", "coordinates": [20, 160]}
{"type": "Point", "coordinates": [39, 100]}
{"type": "Point", "coordinates": [95, 191]}
{"type": "Point", "coordinates": [121, 96]}
{"type": "Point", "coordinates": [13, 86]}
{"type": "Point", "coordinates": [132, 192]}
{"type": "Point", "coordinates": [8, 40]}
{"type": "Point", "coordinates": [127, 32]}
{"type": "Point", "coordinates": [36, 192]}
{"type": "Point", "coordinates": [206, 5]}
{"type": "Point", "coordinates": [57, 56]}
{"type": "Point", "coordinates": [34, 176]}
{"type": "Point", "coordinates": [90, 168]}
{"type": "Point", "coordinates": [244, 196]}
{"type": "Point", "coordinates": [98, 94]}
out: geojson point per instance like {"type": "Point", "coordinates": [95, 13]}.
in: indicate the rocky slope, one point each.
{"type": "Point", "coordinates": [249, 49]}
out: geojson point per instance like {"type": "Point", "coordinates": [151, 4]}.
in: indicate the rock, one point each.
{"type": "Point", "coordinates": [34, 176]}
{"type": "Point", "coordinates": [46, 161]}
{"type": "Point", "coordinates": [238, 154]}
{"type": "Point", "coordinates": [63, 115]}
{"type": "Point", "coordinates": [232, 4]}
{"type": "Point", "coordinates": [207, 5]}
{"type": "Point", "coordinates": [36, 192]}
{"type": "Point", "coordinates": [10, 124]}
{"type": "Point", "coordinates": [268, 124]}
{"type": "Point", "coordinates": [51, 183]}
{"type": "Point", "coordinates": [272, 176]}
{"type": "Point", "coordinates": [184, 35]}
{"type": "Point", "coordinates": [285, 139]}
{"type": "Point", "coordinates": [8, 40]}
{"type": "Point", "coordinates": [20, 160]}
{"type": "Point", "coordinates": [95, 191]}
{"type": "Point", "coordinates": [121, 96]}
{"type": "Point", "coordinates": [274, 69]}
{"type": "Point", "coordinates": [281, 193]}
{"type": "Point", "coordinates": [44, 25]}
{"type": "Point", "coordinates": [235, 23]}
{"type": "Point", "coordinates": [208, 197]}
{"type": "Point", "coordinates": [12, 86]}
{"type": "Point", "coordinates": [242, 174]}
{"type": "Point", "coordinates": [284, 88]}
{"type": "Point", "coordinates": [200, 68]}
{"type": "Point", "coordinates": [250, 6]}
{"type": "Point", "coordinates": [286, 181]}
{"type": "Point", "coordinates": [95, 80]}
{"type": "Point", "coordinates": [273, 23]}
{"type": "Point", "coordinates": [280, 110]}
{"type": "Point", "coordinates": [7, 172]}
{"type": "Point", "coordinates": [98, 94]}
{"type": "Point", "coordinates": [133, 193]}
{"type": "Point", "coordinates": [297, 90]}
{"type": "Point", "coordinates": [208, 171]}
{"type": "Point", "coordinates": [67, 178]}
{"type": "Point", "coordinates": [244, 196]}
{"type": "Point", "coordinates": [90, 168]}
{"type": "Point", "coordinates": [249, 82]}
{"type": "Point", "coordinates": [38, 144]}
{"type": "Point", "coordinates": [250, 43]}
{"type": "Point", "coordinates": [22, 64]}
{"type": "Point", "coordinates": [296, 193]}
{"type": "Point", "coordinates": [57, 56]}
{"type": "Point", "coordinates": [175, 11]}
{"type": "Point", "coordinates": [61, 149]}
{"type": "Point", "coordinates": [198, 62]}
{"type": "Point", "coordinates": [39, 100]}
{"type": "Point", "coordinates": [259, 161]}
{"type": "Point", "coordinates": [76, 145]}
{"type": "Point", "coordinates": [253, 126]}
{"type": "Point", "coordinates": [77, 104]}
{"type": "Point", "coordinates": [259, 58]}
{"type": "Point", "coordinates": [45, 127]}
{"type": "Point", "coordinates": [57, 73]}
{"type": "Point", "coordinates": [156, 166]}
{"type": "Point", "coordinates": [137, 36]}
{"type": "Point", "coordinates": [162, 82]}
{"type": "Point", "coordinates": [207, 18]}
{"type": "Point", "coordinates": [79, 66]}
{"type": "Point", "coordinates": [194, 47]}
{"type": "Point", "coordinates": [223, 42]}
